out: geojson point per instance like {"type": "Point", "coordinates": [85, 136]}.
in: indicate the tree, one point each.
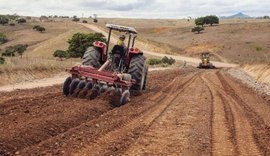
{"type": "Point", "coordinates": [28, 18]}
{"type": "Point", "coordinates": [3, 38]}
{"type": "Point", "coordinates": [21, 20]}
{"type": "Point", "coordinates": [35, 27]}
{"type": "Point", "coordinates": [81, 41]}
{"type": "Point", "coordinates": [20, 48]}
{"type": "Point", "coordinates": [211, 19]}
{"type": "Point", "coordinates": [200, 21]}
{"type": "Point", "coordinates": [9, 51]}
{"type": "Point", "coordinates": [60, 54]}
{"type": "Point", "coordinates": [2, 60]}
{"type": "Point", "coordinates": [197, 29]}
{"type": "Point", "coordinates": [75, 19]}
{"type": "Point", "coordinates": [3, 20]}
{"type": "Point", "coordinates": [40, 29]}
{"type": "Point", "coordinates": [12, 17]}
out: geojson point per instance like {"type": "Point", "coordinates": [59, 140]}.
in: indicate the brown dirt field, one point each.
{"type": "Point", "coordinates": [183, 112]}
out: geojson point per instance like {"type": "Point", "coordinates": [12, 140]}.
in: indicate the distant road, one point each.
{"type": "Point", "coordinates": [191, 60]}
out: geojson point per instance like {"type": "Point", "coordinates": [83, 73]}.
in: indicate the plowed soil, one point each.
{"type": "Point", "coordinates": [183, 112]}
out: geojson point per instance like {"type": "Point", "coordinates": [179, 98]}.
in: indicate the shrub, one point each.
{"type": "Point", "coordinates": [11, 24]}
{"type": "Point", "coordinates": [258, 48]}
{"type": "Point", "coordinates": [20, 48]}
{"type": "Point", "coordinates": [60, 54]}
{"type": "Point", "coordinates": [3, 20]}
{"type": "Point", "coordinates": [21, 20]}
{"type": "Point", "coordinates": [81, 41]}
{"type": "Point", "coordinates": [40, 29]}
{"type": "Point", "coordinates": [200, 21]}
{"type": "Point", "coordinates": [84, 21]}
{"type": "Point", "coordinates": [12, 17]}
{"type": "Point", "coordinates": [35, 27]}
{"type": "Point", "coordinates": [3, 38]}
{"type": "Point", "coordinates": [154, 61]}
{"type": "Point", "coordinates": [95, 20]}
{"type": "Point", "coordinates": [197, 29]}
{"type": "Point", "coordinates": [2, 60]}
{"type": "Point", "coordinates": [169, 61]}
{"type": "Point", "coordinates": [9, 52]}
{"type": "Point", "coordinates": [75, 19]}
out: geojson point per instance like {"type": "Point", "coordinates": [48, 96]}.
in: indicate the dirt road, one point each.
{"type": "Point", "coordinates": [183, 112]}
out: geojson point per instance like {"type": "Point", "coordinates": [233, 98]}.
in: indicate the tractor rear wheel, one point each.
{"type": "Point", "coordinates": [138, 71]}
{"type": "Point", "coordinates": [92, 57]}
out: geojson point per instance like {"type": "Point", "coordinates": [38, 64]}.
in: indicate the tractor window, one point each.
{"type": "Point", "coordinates": [205, 56]}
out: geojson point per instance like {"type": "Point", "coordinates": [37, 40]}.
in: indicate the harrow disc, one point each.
{"type": "Point", "coordinates": [79, 88]}
{"type": "Point", "coordinates": [66, 86]}
{"type": "Point", "coordinates": [125, 97]}
{"type": "Point", "coordinates": [73, 85]}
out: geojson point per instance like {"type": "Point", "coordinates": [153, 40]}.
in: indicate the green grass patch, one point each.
{"type": "Point", "coordinates": [259, 48]}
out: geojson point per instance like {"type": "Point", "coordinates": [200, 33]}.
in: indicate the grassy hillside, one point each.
{"type": "Point", "coordinates": [37, 61]}
{"type": "Point", "coordinates": [234, 40]}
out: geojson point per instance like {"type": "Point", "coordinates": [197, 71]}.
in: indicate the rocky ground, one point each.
{"type": "Point", "coordinates": [240, 74]}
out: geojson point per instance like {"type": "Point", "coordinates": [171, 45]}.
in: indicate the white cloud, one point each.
{"type": "Point", "coordinates": [135, 8]}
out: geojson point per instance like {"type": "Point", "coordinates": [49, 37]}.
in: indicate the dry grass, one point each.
{"type": "Point", "coordinates": [234, 40]}
{"type": "Point", "coordinates": [27, 69]}
{"type": "Point", "coordinates": [38, 61]}
{"type": "Point", "coordinates": [41, 44]}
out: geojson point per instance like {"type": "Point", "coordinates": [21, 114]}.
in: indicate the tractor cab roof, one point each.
{"type": "Point", "coordinates": [205, 53]}
{"type": "Point", "coordinates": [122, 28]}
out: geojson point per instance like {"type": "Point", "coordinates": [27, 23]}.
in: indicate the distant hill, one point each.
{"type": "Point", "coordinates": [238, 15]}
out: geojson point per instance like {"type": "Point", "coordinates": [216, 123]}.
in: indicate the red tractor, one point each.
{"type": "Point", "coordinates": [120, 72]}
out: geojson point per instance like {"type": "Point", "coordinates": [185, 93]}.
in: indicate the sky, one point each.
{"type": "Point", "coordinates": [135, 8]}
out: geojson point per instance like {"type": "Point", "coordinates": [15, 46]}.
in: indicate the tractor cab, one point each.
{"type": "Point", "coordinates": [121, 55]}
{"type": "Point", "coordinates": [205, 57]}
{"type": "Point", "coordinates": [205, 61]}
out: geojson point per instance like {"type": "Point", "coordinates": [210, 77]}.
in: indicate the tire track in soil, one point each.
{"type": "Point", "coordinates": [221, 136]}
{"type": "Point", "coordinates": [94, 129]}
{"type": "Point", "coordinates": [147, 118]}
{"type": "Point", "coordinates": [239, 123]}
{"type": "Point", "coordinates": [175, 135]}
{"type": "Point", "coordinates": [259, 132]}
